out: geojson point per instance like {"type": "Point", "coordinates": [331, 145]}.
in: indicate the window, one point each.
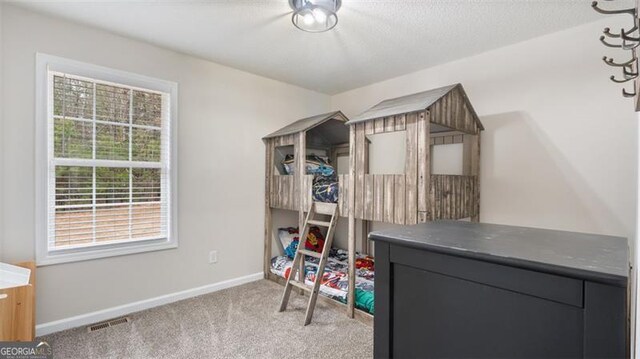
{"type": "Point", "coordinates": [106, 160]}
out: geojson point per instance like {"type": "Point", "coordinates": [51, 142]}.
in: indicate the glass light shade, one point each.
{"type": "Point", "coordinates": [315, 15]}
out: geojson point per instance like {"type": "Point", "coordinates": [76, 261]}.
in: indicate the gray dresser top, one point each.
{"type": "Point", "coordinates": [586, 256]}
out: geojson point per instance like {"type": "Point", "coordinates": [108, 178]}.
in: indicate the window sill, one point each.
{"type": "Point", "coordinates": [112, 250]}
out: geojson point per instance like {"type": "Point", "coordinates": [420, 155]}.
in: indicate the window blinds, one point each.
{"type": "Point", "coordinates": [108, 163]}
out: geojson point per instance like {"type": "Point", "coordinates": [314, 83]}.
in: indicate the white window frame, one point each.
{"type": "Point", "coordinates": [45, 64]}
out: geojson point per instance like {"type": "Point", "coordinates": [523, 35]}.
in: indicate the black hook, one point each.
{"type": "Point", "coordinates": [608, 33]}
{"type": "Point", "coordinates": [630, 94]}
{"type": "Point", "coordinates": [609, 61]}
{"type": "Point", "coordinates": [626, 79]}
{"type": "Point", "coordinates": [631, 11]}
{"type": "Point", "coordinates": [602, 39]}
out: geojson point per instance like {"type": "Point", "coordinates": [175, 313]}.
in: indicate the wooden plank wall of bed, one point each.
{"type": "Point", "coordinates": [417, 196]}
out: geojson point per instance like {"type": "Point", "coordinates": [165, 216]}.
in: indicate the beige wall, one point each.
{"type": "Point", "coordinates": [223, 113]}
{"type": "Point", "coordinates": [559, 150]}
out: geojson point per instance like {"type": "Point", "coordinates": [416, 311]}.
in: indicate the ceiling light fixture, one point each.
{"type": "Point", "coordinates": [315, 15]}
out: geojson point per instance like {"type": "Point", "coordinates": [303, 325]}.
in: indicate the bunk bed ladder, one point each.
{"type": "Point", "coordinates": [298, 266]}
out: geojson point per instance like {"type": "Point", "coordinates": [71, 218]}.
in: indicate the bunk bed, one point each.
{"type": "Point", "coordinates": [436, 117]}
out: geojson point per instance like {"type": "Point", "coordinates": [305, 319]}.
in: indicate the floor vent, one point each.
{"type": "Point", "coordinates": [107, 324]}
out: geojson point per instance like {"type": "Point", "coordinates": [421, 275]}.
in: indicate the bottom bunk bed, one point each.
{"type": "Point", "coordinates": [334, 283]}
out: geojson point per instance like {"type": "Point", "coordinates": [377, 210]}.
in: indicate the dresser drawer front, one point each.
{"type": "Point", "coordinates": [448, 317]}
{"type": "Point", "coordinates": [543, 285]}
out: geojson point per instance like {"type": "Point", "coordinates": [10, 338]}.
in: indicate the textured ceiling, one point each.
{"type": "Point", "coordinates": [373, 41]}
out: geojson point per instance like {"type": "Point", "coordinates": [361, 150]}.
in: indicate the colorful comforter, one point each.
{"type": "Point", "coordinates": [325, 182]}
{"type": "Point", "coordinates": [325, 190]}
{"type": "Point", "coordinates": [334, 283]}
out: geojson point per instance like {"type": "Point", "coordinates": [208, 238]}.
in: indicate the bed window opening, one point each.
{"type": "Point", "coordinates": [447, 159]}
{"type": "Point", "coordinates": [387, 153]}
{"type": "Point", "coordinates": [284, 160]}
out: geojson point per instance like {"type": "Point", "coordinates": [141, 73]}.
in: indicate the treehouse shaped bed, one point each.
{"type": "Point", "coordinates": [432, 118]}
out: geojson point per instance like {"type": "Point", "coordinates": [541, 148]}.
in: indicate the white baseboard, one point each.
{"type": "Point", "coordinates": [105, 314]}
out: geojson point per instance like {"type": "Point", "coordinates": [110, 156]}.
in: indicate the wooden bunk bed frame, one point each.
{"type": "Point", "coordinates": [431, 118]}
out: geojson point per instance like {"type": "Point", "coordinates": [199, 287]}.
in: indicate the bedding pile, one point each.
{"type": "Point", "coordinates": [325, 181]}
{"type": "Point", "coordinates": [289, 238]}
{"type": "Point", "coordinates": [334, 282]}
{"type": "Point", "coordinates": [313, 164]}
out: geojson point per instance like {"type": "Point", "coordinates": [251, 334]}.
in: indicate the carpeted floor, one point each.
{"type": "Point", "coordinates": [240, 322]}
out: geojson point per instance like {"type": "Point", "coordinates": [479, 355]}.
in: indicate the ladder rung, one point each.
{"type": "Point", "coordinates": [310, 253]}
{"type": "Point", "coordinates": [320, 223]}
{"type": "Point", "coordinates": [300, 285]}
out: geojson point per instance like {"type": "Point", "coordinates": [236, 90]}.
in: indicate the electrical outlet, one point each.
{"type": "Point", "coordinates": [213, 257]}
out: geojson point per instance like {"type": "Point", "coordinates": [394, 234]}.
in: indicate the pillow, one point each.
{"type": "Point", "coordinates": [289, 239]}
{"type": "Point", "coordinates": [287, 235]}
{"type": "Point", "coordinates": [315, 240]}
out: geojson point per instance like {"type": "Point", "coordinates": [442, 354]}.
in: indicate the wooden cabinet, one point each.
{"type": "Point", "coordinates": [17, 310]}
{"type": "Point", "coordinates": [457, 289]}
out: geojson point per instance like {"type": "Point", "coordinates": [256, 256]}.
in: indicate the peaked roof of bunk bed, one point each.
{"type": "Point", "coordinates": [412, 103]}
{"type": "Point", "coordinates": [308, 123]}
{"type": "Point", "coordinates": [324, 130]}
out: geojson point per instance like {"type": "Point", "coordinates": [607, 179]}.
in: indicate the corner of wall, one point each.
{"type": "Point", "coordinates": [1, 135]}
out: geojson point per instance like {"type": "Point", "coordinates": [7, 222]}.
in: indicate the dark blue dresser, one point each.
{"type": "Point", "coordinates": [469, 290]}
